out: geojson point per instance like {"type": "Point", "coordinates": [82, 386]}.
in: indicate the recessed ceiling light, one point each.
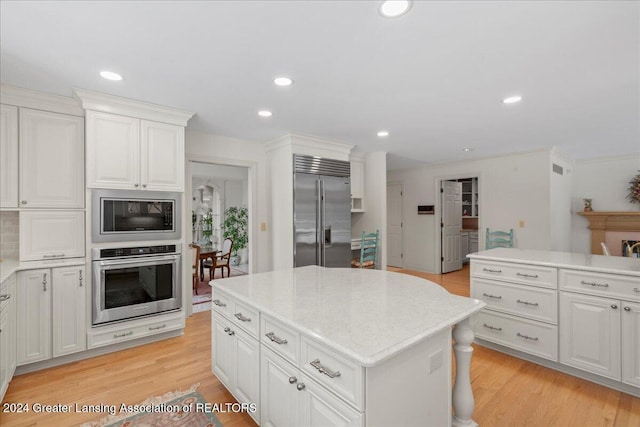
{"type": "Point", "coordinates": [110, 75]}
{"type": "Point", "coordinates": [394, 8]}
{"type": "Point", "coordinates": [283, 81]}
{"type": "Point", "coordinates": [512, 99]}
{"type": "Point", "coordinates": [383, 133]}
{"type": "Point", "coordinates": [467, 149]}
{"type": "Point", "coordinates": [264, 113]}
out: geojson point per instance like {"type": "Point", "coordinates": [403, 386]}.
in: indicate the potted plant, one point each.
{"type": "Point", "coordinates": [235, 228]}
{"type": "Point", "coordinates": [207, 226]}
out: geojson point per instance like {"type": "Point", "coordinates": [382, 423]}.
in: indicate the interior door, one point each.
{"type": "Point", "coordinates": [451, 224]}
{"type": "Point", "coordinates": [394, 224]}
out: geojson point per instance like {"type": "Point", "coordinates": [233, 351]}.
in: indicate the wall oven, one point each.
{"type": "Point", "coordinates": [135, 281]}
{"type": "Point", "coordinates": [124, 215]}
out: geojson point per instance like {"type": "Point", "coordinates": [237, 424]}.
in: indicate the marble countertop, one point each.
{"type": "Point", "coordinates": [10, 266]}
{"type": "Point", "coordinates": [597, 263]}
{"type": "Point", "coordinates": [366, 315]}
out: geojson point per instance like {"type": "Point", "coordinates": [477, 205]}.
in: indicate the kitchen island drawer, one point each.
{"type": "Point", "coordinates": [247, 318]}
{"type": "Point", "coordinates": [539, 339]}
{"type": "Point", "coordinates": [603, 284]}
{"type": "Point", "coordinates": [335, 372]}
{"type": "Point", "coordinates": [526, 274]}
{"type": "Point", "coordinates": [222, 303]}
{"type": "Point", "coordinates": [282, 339]}
{"type": "Point", "coordinates": [525, 301]}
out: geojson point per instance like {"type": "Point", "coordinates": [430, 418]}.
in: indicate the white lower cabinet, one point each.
{"type": "Point", "coordinates": [7, 332]}
{"type": "Point", "coordinates": [236, 361]}
{"type": "Point", "coordinates": [51, 313]}
{"type": "Point", "coordinates": [631, 343]}
{"type": "Point", "coordinates": [590, 333]}
{"type": "Point", "coordinates": [290, 398]}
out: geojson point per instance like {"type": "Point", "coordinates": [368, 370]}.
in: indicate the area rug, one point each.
{"type": "Point", "coordinates": [176, 409]}
{"type": "Point", "coordinates": [204, 290]}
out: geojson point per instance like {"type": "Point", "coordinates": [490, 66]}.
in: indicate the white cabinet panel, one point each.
{"type": "Point", "coordinates": [590, 334]}
{"type": "Point", "coordinates": [69, 310]}
{"type": "Point", "coordinates": [51, 235]}
{"type": "Point", "coordinates": [34, 316]}
{"type": "Point", "coordinates": [7, 332]}
{"type": "Point", "coordinates": [631, 343]}
{"type": "Point", "coordinates": [8, 156]}
{"type": "Point", "coordinates": [113, 151]}
{"type": "Point", "coordinates": [51, 160]}
{"type": "Point", "coordinates": [222, 356]}
{"type": "Point", "coordinates": [162, 156]}
{"type": "Point", "coordinates": [357, 180]}
{"type": "Point", "coordinates": [279, 394]}
{"type": "Point", "coordinates": [320, 408]}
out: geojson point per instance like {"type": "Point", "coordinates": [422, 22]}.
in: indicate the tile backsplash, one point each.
{"type": "Point", "coordinates": [9, 234]}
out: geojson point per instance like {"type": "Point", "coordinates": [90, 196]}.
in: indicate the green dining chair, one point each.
{"type": "Point", "coordinates": [368, 251]}
{"type": "Point", "coordinates": [499, 239]}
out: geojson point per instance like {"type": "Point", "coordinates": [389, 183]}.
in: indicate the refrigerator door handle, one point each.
{"type": "Point", "coordinates": [319, 223]}
{"type": "Point", "coordinates": [323, 227]}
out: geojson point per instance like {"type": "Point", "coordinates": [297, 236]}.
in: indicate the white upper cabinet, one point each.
{"type": "Point", "coordinates": [113, 151]}
{"type": "Point", "coordinates": [51, 234]}
{"type": "Point", "coordinates": [133, 145]}
{"type": "Point", "coordinates": [51, 160]}
{"type": "Point", "coordinates": [9, 157]}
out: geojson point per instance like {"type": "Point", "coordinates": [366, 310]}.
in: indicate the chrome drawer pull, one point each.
{"type": "Point", "coordinates": [272, 336]}
{"type": "Point", "coordinates": [492, 327]}
{"type": "Point", "coordinates": [155, 328]}
{"type": "Point", "coordinates": [527, 337]}
{"type": "Point", "coordinates": [5, 297]}
{"type": "Point", "coordinates": [602, 285]}
{"type": "Point", "coordinates": [491, 271]}
{"type": "Point", "coordinates": [219, 303]}
{"type": "Point", "coordinates": [328, 372]}
{"type": "Point", "coordinates": [535, 304]}
{"type": "Point", "coordinates": [240, 317]}
{"type": "Point", "coordinates": [126, 334]}
{"type": "Point", "coordinates": [528, 276]}
{"type": "Point", "coordinates": [53, 256]}
{"type": "Point", "coordinates": [636, 290]}
{"type": "Point", "coordinates": [492, 296]}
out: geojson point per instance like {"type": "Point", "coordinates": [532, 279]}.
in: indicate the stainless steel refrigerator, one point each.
{"type": "Point", "coordinates": [321, 212]}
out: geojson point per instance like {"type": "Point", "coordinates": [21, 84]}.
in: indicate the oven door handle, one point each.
{"type": "Point", "coordinates": [152, 260]}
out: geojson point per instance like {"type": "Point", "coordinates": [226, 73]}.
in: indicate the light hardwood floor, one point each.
{"type": "Point", "coordinates": [508, 391]}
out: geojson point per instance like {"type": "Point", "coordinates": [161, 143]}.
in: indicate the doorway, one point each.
{"type": "Point", "coordinates": [217, 191]}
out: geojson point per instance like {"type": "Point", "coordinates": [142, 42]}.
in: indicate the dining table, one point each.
{"type": "Point", "coordinates": [206, 252]}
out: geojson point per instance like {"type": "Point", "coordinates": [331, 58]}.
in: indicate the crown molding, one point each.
{"type": "Point", "coordinates": [105, 103]}
{"type": "Point", "coordinates": [28, 98]}
{"type": "Point", "coordinates": [296, 140]}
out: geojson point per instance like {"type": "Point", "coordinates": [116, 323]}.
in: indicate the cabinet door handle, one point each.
{"type": "Point", "coordinates": [602, 285]}
{"type": "Point", "coordinates": [54, 256]}
{"type": "Point", "coordinates": [136, 185]}
{"type": "Point", "coordinates": [5, 297]}
{"type": "Point", "coordinates": [231, 333]}
{"type": "Point", "coordinates": [324, 370]}
{"type": "Point", "coordinates": [528, 276]}
{"type": "Point", "coordinates": [492, 296]}
{"type": "Point", "coordinates": [155, 328]}
{"type": "Point", "coordinates": [489, 270]}
{"type": "Point", "coordinates": [300, 386]}
{"type": "Point", "coordinates": [493, 328]}
{"type": "Point", "coordinates": [636, 290]}
{"type": "Point", "coordinates": [80, 277]}
{"type": "Point", "coordinates": [126, 334]}
{"type": "Point", "coordinates": [24, 202]}
{"type": "Point", "coordinates": [614, 306]}
{"type": "Point", "coordinates": [242, 318]}
{"type": "Point", "coordinates": [293, 380]}
{"type": "Point", "coordinates": [44, 282]}
{"type": "Point", "coordinates": [535, 304]}
{"type": "Point", "coordinates": [219, 303]}
{"type": "Point", "coordinates": [227, 330]}
{"type": "Point", "coordinates": [527, 337]}
{"type": "Point", "coordinates": [144, 185]}
{"type": "Point", "coordinates": [627, 309]}
{"type": "Point", "coordinates": [274, 338]}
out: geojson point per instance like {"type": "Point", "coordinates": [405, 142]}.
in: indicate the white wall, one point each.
{"type": "Point", "coordinates": [560, 202]}
{"type": "Point", "coordinates": [209, 148]}
{"type": "Point", "coordinates": [511, 189]}
{"type": "Point", "coordinates": [605, 180]}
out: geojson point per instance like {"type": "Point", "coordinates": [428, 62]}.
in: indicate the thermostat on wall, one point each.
{"type": "Point", "coordinates": [426, 209]}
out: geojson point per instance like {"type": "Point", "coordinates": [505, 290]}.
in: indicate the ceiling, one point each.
{"type": "Point", "coordinates": [434, 78]}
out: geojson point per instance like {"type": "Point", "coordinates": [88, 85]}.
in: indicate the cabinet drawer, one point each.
{"type": "Point", "coordinates": [607, 285]}
{"type": "Point", "coordinates": [123, 332]}
{"type": "Point", "coordinates": [222, 303]}
{"type": "Point", "coordinates": [338, 374]}
{"type": "Point", "coordinates": [539, 339]}
{"type": "Point", "coordinates": [525, 301]}
{"type": "Point", "coordinates": [246, 317]}
{"type": "Point", "coordinates": [525, 274]}
{"type": "Point", "coordinates": [280, 338]}
{"type": "Point", "coordinates": [7, 292]}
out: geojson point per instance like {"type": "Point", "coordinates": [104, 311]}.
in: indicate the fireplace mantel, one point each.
{"type": "Point", "coordinates": [602, 222]}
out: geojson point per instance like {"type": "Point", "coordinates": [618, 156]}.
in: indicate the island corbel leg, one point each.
{"type": "Point", "coordinates": [462, 400]}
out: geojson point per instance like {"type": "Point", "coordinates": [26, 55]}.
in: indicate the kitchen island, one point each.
{"type": "Point", "coordinates": [314, 345]}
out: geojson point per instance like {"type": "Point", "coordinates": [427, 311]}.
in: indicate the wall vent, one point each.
{"type": "Point", "coordinates": [558, 169]}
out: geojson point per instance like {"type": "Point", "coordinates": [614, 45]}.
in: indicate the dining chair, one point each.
{"type": "Point", "coordinates": [368, 251]}
{"type": "Point", "coordinates": [605, 249]}
{"type": "Point", "coordinates": [499, 239]}
{"type": "Point", "coordinates": [220, 260]}
{"type": "Point", "coordinates": [195, 253]}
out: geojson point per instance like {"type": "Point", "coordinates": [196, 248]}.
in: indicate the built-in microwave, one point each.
{"type": "Point", "coordinates": [125, 215]}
